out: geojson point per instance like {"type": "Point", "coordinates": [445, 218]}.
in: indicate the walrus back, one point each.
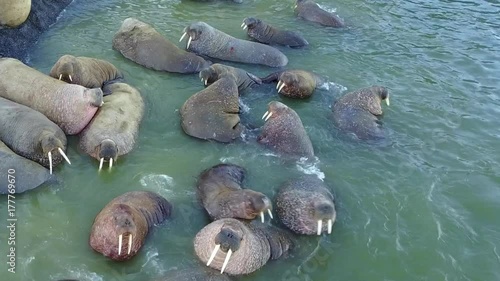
{"type": "Point", "coordinates": [155, 208]}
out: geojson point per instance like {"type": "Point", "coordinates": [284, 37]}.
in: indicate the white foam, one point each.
{"type": "Point", "coordinates": [244, 107]}
{"type": "Point", "coordinates": [157, 180]}
{"type": "Point", "coordinates": [310, 168]}
{"type": "Point", "coordinates": [333, 86]}
{"type": "Point", "coordinates": [331, 10]}
{"type": "Point", "coordinates": [79, 274]}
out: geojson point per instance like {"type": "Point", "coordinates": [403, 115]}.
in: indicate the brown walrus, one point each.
{"type": "Point", "coordinates": [265, 33]}
{"type": "Point", "coordinates": [358, 112]}
{"type": "Point", "coordinates": [31, 135]}
{"type": "Point", "coordinates": [88, 72]}
{"type": "Point", "coordinates": [299, 84]}
{"type": "Point", "coordinates": [283, 132]}
{"type": "Point", "coordinates": [243, 78]}
{"type": "Point", "coordinates": [70, 106]}
{"type": "Point", "coordinates": [142, 44]}
{"type": "Point", "coordinates": [213, 113]}
{"type": "Point", "coordinates": [237, 247]}
{"type": "Point", "coordinates": [311, 11]}
{"type": "Point", "coordinates": [306, 206]}
{"type": "Point", "coordinates": [113, 130]}
{"type": "Point", "coordinates": [120, 228]}
{"type": "Point", "coordinates": [219, 190]}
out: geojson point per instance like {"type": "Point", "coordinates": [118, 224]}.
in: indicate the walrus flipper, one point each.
{"type": "Point", "coordinates": [255, 79]}
{"type": "Point", "coordinates": [273, 77]}
{"type": "Point", "coordinates": [160, 212]}
{"type": "Point", "coordinates": [279, 240]}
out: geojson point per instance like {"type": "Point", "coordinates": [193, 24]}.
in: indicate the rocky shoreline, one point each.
{"type": "Point", "coordinates": [16, 42]}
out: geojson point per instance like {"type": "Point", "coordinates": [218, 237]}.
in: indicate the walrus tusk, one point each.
{"type": "Point", "coordinates": [70, 79]}
{"type": "Point", "coordinates": [245, 27]}
{"type": "Point", "coordinates": [320, 226]}
{"type": "Point", "coordinates": [120, 238]}
{"type": "Point", "coordinates": [387, 101]}
{"type": "Point", "coordinates": [206, 82]}
{"type": "Point", "coordinates": [60, 76]}
{"type": "Point", "coordinates": [63, 155]}
{"type": "Point", "coordinates": [281, 87]}
{"type": "Point", "coordinates": [270, 213]}
{"type": "Point", "coordinates": [110, 163]}
{"type": "Point", "coordinates": [243, 24]}
{"type": "Point", "coordinates": [50, 161]}
{"type": "Point", "coordinates": [100, 163]}
{"type": "Point", "coordinates": [330, 224]}
{"type": "Point", "coordinates": [278, 85]}
{"type": "Point", "coordinates": [228, 256]}
{"type": "Point", "coordinates": [214, 252]}
{"type": "Point", "coordinates": [268, 116]}
{"type": "Point", "coordinates": [265, 114]}
{"type": "Point", "coordinates": [189, 42]}
{"type": "Point", "coordinates": [182, 37]}
{"type": "Point", "coordinates": [129, 244]}
{"type": "Point", "coordinates": [262, 217]}
{"type": "Point", "coordinates": [202, 79]}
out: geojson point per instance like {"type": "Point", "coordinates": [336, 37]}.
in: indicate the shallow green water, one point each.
{"type": "Point", "coordinates": [424, 206]}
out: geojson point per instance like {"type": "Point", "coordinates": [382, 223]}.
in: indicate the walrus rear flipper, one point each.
{"type": "Point", "coordinates": [254, 78]}
{"type": "Point", "coordinates": [106, 85]}
{"type": "Point", "coordinates": [273, 77]}
{"type": "Point", "coordinates": [279, 240]}
{"type": "Point", "coordinates": [158, 213]}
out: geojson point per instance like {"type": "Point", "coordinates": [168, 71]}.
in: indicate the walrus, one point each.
{"type": "Point", "coordinates": [194, 274]}
{"type": "Point", "coordinates": [13, 13]}
{"type": "Point", "coordinates": [298, 84]}
{"type": "Point", "coordinates": [113, 130]}
{"type": "Point", "coordinates": [267, 34]}
{"type": "Point", "coordinates": [142, 44]}
{"type": "Point", "coordinates": [311, 11]}
{"type": "Point", "coordinates": [20, 174]}
{"type": "Point", "coordinates": [120, 228]}
{"type": "Point", "coordinates": [70, 106]}
{"type": "Point", "coordinates": [243, 78]}
{"type": "Point", "coordinates": [88, 72]}
{"type": "Point", "coordinates": [239, 248]}
{"type": "Point", "coordinates": [213, 113]}
{"type": "Point", "coordinates": [358, 112]}
{"type": "Point", "coordinates": [203, 39]}
{"type": "Point", "coordinates": [220, 192]}
{"type": "Point", "coordinates": [31, 135]}
{"type": "Point", "coordinates": [306, 206]}
{"type": "Point", "coordinates": [283, 132]}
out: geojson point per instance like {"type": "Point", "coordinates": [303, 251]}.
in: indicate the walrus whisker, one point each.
{"type": "Point", "coordinates": [268, 116]}
{"type": "Point", "coordinates": [70, 79]}
{"type": "Point", "coordinates": [320, 226]}
{"type": "Point", "coordinates": [189, 42]}
{"type": "Point", "coordinates": [110, 163]}
{"type": "Point", "coordinates": [100, 163]}
{"type": "Point", "coordinates": [60, 76]}
{"type": "Point", "coordinates": [265, 114]}
{"type": "Point", "coordinates": [262, 217]}
{"type": "Point", "coordinates": [228, 256]}
{"type": "Point", "coordinates": [63, 155]}
{"type": "Point", "coordinates": [50, 161]}
{"type": "Point", "coordinates": [214, 252]}
{"type": "Point", "coordinates": [129, 244]}
{"type": "Point", "coordinates": [330, 224]}
{"type": "Point", "coordinates": [270, 213]}
{"type": "Point", "coordinates": [281, 87]}
{"type": "Point", "coordinates": [183, 35]}
{"type": "Point", "coordinates": [120, 238]}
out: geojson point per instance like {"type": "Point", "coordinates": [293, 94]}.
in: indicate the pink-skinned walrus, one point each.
{"type": "Point", "coordinates": [70, 106]}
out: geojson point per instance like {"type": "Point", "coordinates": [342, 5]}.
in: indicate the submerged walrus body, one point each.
{"type": "Point", "coordinates": [237, 247]}
{"type": "Point", "coordinates": [242, 78]}
{"type": "Point", "coordinates": [31, 135]}
{"type": "Point", "coordinates": [219, 190]}
{"type": "Point", "coordinates": [306, 206]}
{"type": "Point", "coordinates": [114, 129]}
{"type": "Point", "coordinates": [267, 34]}
{"type": "Point", "coordinates": [311, 11]}
{"type": "Point", "coordinates": [88, 72]}
{"type": "Point", "coordinates": [298, 84]}
{"type": "Point", "coordinates": [70, 106]}
{"type": "Point", "coordinates": [120, 228]}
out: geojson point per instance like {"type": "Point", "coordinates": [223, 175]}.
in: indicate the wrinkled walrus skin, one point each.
{"type": "Point", "coordinates": [358, 112]}
{"type": "Point", "coordinates": [30, 134]}
{"type": "Point", "coordinates": [203, 39]}
{"type": "Point", "coordinates": [251, 245]}
{"type": "Point", "coordinates": [87, 72]}
{"type": "Point", "coordinates": [70, 106]}
{"type": "Point", "coordinates": [297, 84]}
{"type": "Point", "coordinates": [25, 174]}
{"type": "Point", "coordinates": [213, 113]}
{"type": "Point", "coordinates": [142, 44]}
{"type": "Point", "coordinates": [129, 216]}
{"type": "Point", "coordinates": [267, 34]}
{"type": "Point", "coordinates": [113, 130]}
{"type": "Point", "coordinates": [306, 206]}
{"type": "Point", "coordinates": [310, 11]}
{"type": "Point", "coordinates": [216, 71]}
{"type": "Point", "coordinates": [220, 192]}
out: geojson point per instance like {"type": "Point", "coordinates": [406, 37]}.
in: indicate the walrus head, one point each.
{"type": "Point", "coordinates": [228, 241]}
{"type": "Point", "coordinates": [194, 32]}
{"type": "Point", "coordinates": [287, 81]}
{"type": "Point", "coordinates": [248, 204]}
{"type": "Point", "coordinates": [53, 147]}
{"type": "Point", "coordinates": [370, 99]}
{"type": "Point", "coordinates": [250, 23]}
{"type": "Point", "coordinates": [208, 76]}
{"type": "Point", "coordinates": [324, 211]}
{"type": "Point", "coordinates": [274, 109]}
{"type": "Point", "coordinates": [65, 69]}
{"type": "Point", "coordinates": [107, 151]}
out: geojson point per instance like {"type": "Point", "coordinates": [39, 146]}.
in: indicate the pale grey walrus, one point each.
{"type": "Point", "coordinates": [120, 228]}
{"type": "Point", "coordinates": [311, 11]}
{"type": "Point", "coordinates": [88, 72]}
{"type": "Point", "coordinates": [195, 273]}
{"type": "Point", "coordinates": [283, 132]}
{"type": "Point", "coordinates": [243, 78]}
{"type": "Point", "coordinates": [203, 39]}
{"type": "Point", "coordinates": [31, 135]}
{"type": "Point", "coordinates": [20, 174]}
{"type": "Point", "coordinates": [220, 192]}
{"type": "Point", "coordinates": [265, 33]}
{"type": "Point", "coordinates": [114, 129]}
{"type": "Point", "coordinates": [358, 112]}
{"type": "Point", "coordinates": [306, 206]}
{"type": "Point", "coordinates": [213, 113]}
{"type": "Point", "coordinates": [237, 247]}
{"type": "Point", "coordinates": [142, 44]}
{"type": "Point", "coordinates": [13, 13]}
{"type": "Point", "coordinates": [297, 84]}
{"type": "Point", "coordinates": [70, 106]}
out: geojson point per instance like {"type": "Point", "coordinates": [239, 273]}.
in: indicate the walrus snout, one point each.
{"type": "Point", "coordinates": [96, 96]}
{"type": "Point", "coordinates": [194, 31]}
{"type": "Point", "coordinates": [208, 75]}
{"type": "Point", "coordinates": [228, 240]}
{"type": "Point", "coordinates": [108, 151]}
{"type": "Point", "coordinates": [324, 211]}
{"type": "Point", "coordinates": [53, 147]}
{"type": "Point", "coordinates": [383, 93]}
{"type": "Point", "coordinates": [64, 69]}
{"type": "Point", "coordinates": [261, 204]}
{"type": "Point", "coordinates": [249, 23]}
{"type": "Point", "coordinates": [273, 108]}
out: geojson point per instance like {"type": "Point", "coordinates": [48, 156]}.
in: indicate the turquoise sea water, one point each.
{"type": "Point", "coordinates": [423, 206]}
